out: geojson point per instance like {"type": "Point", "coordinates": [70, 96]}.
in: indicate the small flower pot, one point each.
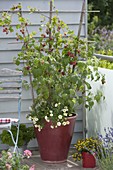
{"type": "Point", "coordinates": [88, 160]}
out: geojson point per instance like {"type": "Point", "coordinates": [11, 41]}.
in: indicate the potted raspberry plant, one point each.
{"type": "Point", "coordinates": [58, 65]}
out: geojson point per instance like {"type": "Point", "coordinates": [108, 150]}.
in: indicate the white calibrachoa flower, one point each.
{"type": "Point", "coordinates": [58, 123]}
{"type": "Point", "coordinates": [36, 126]}
{"type": "Point", "coordinates": [56, 104]}
{"type": "Point", "coordinates": [35, 119]}
{"type": "Point", "coordinates": [29, 118]}
{"type": "Point", "coordinates": [51, 114]}
{"type": "Point", "coordinates": [34, 122]}
{"type": "Point", "coordinates": [60, 116]}
{"type": "Point", "coordinates": [39, 127]}
{"type": "Point", "coordinates": [51, 111]}
{"type": "Point", "coordinates": [47, 119]}
{"type": "Point", "coordinates": [67, 122]}
{"type": "Point", "coordinates": [64, 123]}
{"type": "Point", "coordinates": [52, 127]}
{"type": "Point", "coordinates": [65, 109]}
{"type": "Point", "coordinates": [65, 114]}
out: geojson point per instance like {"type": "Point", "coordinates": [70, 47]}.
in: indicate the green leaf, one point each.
{"type": "Point", "coordinates": [18, 26]}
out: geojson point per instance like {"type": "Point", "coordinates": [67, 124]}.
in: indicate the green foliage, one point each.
{"type": "Point", "coordinates": [105, 7]}
{"type": "Point", "coordinates": [25, 135]}
{"type": "Point", "coordinates": [58, 66]}
{"type": "Point", "coordinates": [12, 161]}
{"type": "Point", "coordinates": [105, 63]}
{"type": "Point", "coordinates": [106, 163]}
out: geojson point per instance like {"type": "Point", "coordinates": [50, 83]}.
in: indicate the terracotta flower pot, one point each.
{"type": "Point", "coordinates": [88, 160]}
{"type": "Point", "coordinates": [54, 143]}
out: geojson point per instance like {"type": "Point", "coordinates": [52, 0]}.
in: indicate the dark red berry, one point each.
{"type": "Point", "coordinates": [63, 73]}
{"type": "Point", "coordinates": [73, 63]}
{"type": "Point", "coordinates": [78, 51]}
{"type": "Point", "coordinates": [47, 31]}
{"type": "Point", "coordinates": [27, 67]}
{"type": "Point", "coordinates": [43, 44]}
{"type": "Point", "coordinates": [41, 49]}
{"type": "Point", "coordinates": [65, 46]}
{"type": "Point", "coordinates": [51, 38]}
{"type": "Point", "coordinates": [68, 53]}
{"type": "Point", "coordinates": [26, 24]}
{"type": "Point", "coordinates": [72, 55]}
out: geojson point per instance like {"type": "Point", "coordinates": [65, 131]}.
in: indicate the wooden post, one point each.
{"type": "Point", "coordinates": [81, 18]}
{"type": "Point", "coordinates": [50, 18]}
{"type": "Point", "coordinates": [79, 30]}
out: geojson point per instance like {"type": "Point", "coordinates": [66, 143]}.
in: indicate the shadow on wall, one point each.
{"type": "Point", "coordinates": [94, 120]}
{"type": "Point", "coordinates": [101, 115]}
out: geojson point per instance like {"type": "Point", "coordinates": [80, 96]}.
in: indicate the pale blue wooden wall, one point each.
{"type": "Point", "coordinates": [69, 11]}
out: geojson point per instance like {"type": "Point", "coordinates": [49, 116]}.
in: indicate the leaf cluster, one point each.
{"type": "Point", "coordinates": [25, 135]}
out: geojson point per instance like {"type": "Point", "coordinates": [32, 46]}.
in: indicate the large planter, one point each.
{"type": "Point", "coordinates": [54, 143]}
{"type": "Point", "coordinates": [88, 160]}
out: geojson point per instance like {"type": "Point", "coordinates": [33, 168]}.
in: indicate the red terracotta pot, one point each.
{"type": "Point", "coordinates": [54, 143]}
{"type": "Point", "coordinates": [88, 160]}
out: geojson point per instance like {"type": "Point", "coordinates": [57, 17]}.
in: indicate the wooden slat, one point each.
{"type": "Point", "coordinates": [10, 85]}
{"type": "Point", "coordinates": [10, 91]}
{"type": "Point", "coordinates": [16, 96]}
{"type": "Point", "coordinates": [12, 79]}
{"type": "Point", "coordinates": [8, 72]}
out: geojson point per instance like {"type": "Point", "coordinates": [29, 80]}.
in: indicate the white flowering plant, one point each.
{"type": "Point", "coordinates": [58, 66]}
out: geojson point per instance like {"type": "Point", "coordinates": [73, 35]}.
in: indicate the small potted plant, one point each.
{"type": "Point", "coordinates": [87, 149]}
{"type": "Point", "coordinates": [59, 66]}
{"type": "Point", "coordinates": [25, 135]}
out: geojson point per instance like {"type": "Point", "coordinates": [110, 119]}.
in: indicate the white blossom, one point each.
{"type": "Point", "coordinates": [35, 119]}
{"type": "Point", "coordinates": [67, 122]}
{"type": "Point", "coordinates": [47, 119]}
{"type": "Point", "coordinates": [51, 114]}
{"type": "Point", "coordinates": [65, 114]}
{"type": "Point", "coordinates": [29, 118]}
{"type": "Point", "coordinates": [36, 126]}
{"type": "Point", "coordinates": [39, 129]}
{"type": "Point", "coordinates": [51, 111]}
{"type": "Point", "coordinates": [52, 127]}
{"type": "Point", "coordinates": [56, 104]}
{"type": "Point", "coordinates": [64, 123]}
{"type": "Point", "coordinates": [60, 116]}
{"type": "Point", "coordinates": [64, 110]}
{"type": "Point", "coordinates": [58, 123]}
